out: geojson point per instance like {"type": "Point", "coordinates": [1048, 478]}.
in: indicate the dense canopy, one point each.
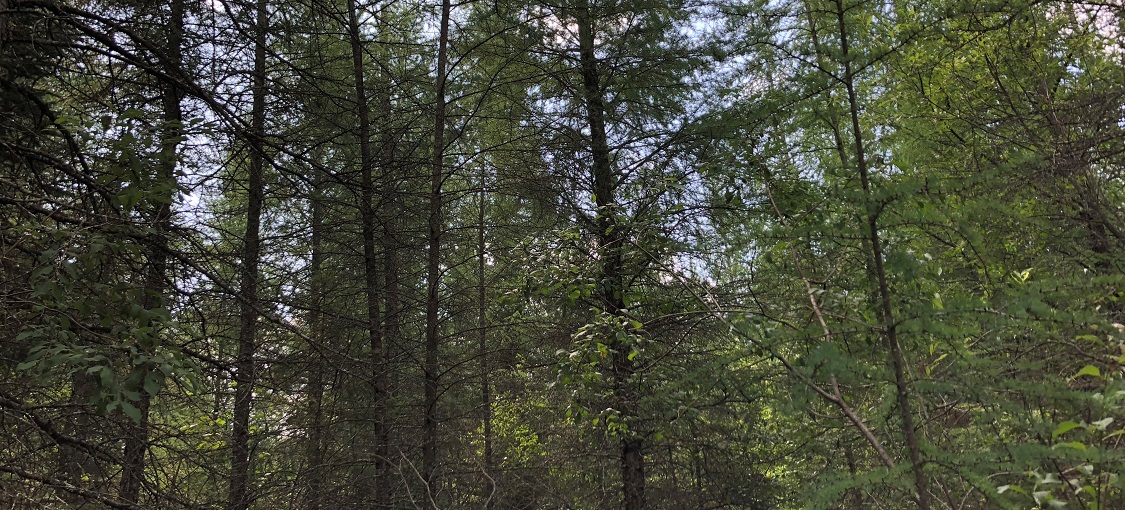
{"type": "Point", "coordinates": [580, 254]}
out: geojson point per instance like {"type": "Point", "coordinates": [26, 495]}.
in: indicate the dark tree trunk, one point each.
{"type": "Point", "coordinates": [885, 312]}
{"type": "Point", "coordinates": [136, 440]}
{"type": "Point", "coordinates": [77, 466]}
{"type": "Point", "coordinates": [433, 261]}
{"type": "Point", "coordinates": [389, 242]}
{"type": "Point", "coordinates": [611, 238]}
{"type": "Point", "coordinates": [489, 485]}
{"type": "Point", "coordinates": [239, 497]}
{"type": "Point", "coordinates": [371, 267]}
{"type": "Point", "coordinates": [317, 364]}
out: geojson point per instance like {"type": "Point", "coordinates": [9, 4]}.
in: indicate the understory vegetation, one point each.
{"type": "Point", "coordinates": [580, 254]}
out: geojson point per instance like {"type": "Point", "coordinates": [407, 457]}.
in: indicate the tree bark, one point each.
{"type": "Point", "coordinates": [489, 485]}
{"type": "Point", "coordinates": [433, 263]}
{"type": "Point", "coordinates": [136, 441]}
{"type": "Point", "coordinates": [317, 366]}
{"type": "Point", "coordinates": [389, 242]}
{"type": "Point", "coordinates": [77, 466]}
{"type": "Point", "coordinates": [371, 269]}
{"type": "Point", "coordinates": [885, 311]}
{"type": "Point", "coordinates": [611, 238]}
{"type": "Point", "coordinates": [239, 497]}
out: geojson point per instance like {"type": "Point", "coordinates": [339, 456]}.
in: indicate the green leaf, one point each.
{"type": "Point", "coordinates": [152, 383]}
{"type": "Point", "coordinates": [1014, 488]}
{"type": "Point", "coordinates": [1063, 428]}
{"type": "Point", "coordinates": [1090, 370]}
{"type": "Point", "coordinates": [131, 411]}
{"type": "Point", "coordinates": [105, 376]}
{"type": "Point", "coordinates": [1073, 444]}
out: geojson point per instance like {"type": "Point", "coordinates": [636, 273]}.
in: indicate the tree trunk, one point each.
{"type": "Point", "coordinates": [489, 485]}
{"type": "Point", "coordinates": [433, 260]}
{"type": "Point", "coordinates": [370, 260]}
{"type": "Point", "coordinates": [136, 440]}
{"type": "Point", "coordinates": [885, 312]}
{"type": "Point", "coordinates": [239, 496]}
{"type": "Point", "coordinates": [855, 492]}
{"type": "Point", "coordinates": [77, 466]}
{"type": "Point", "coordinates": [317, 365]}
{"type": "Point", "coordinates": [389, 243]}
{"type": "Point", "coordinates": [611, 239]}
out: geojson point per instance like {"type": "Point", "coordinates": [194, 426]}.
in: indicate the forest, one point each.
{"type": "Point", "coordinates": [571, 254]}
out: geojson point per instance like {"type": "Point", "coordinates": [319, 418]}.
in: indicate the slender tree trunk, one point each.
{"type": "Point", "coordinates": [314, 495]}
{"type": "Point", "coordinates": [136, 441]}
{"type": "Point", "coordinates": [433, 260]}
{"type": "Point", "coordinates": [244, 375]}
{"type": "Point", "coordinates": [610, 243]}
{"type": "Point", "coordinates": [849, 458]}
{"type": "Point", "coordinates": [4, 28]}
{"type": "Point", "coordinates": [370, 259]}
{"type": "Point", "coordinates": [489, 484]}
{"type": "Point", "coordinates": [389, 211]}
{"type": "Point", "coordinates": [314, 451]}
{"type": "Point", "coordinates": [885, 310]}
{"type": "Point", "coordinates": [672, 469]}
{"type": "Point", "coordinates": [77, 466]}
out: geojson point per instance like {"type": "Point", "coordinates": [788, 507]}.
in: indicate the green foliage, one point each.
{"type": "Point", "coordinates": [794, 241]}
